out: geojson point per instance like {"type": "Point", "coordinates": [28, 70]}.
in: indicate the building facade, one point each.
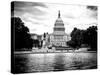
{"type": "Point", "coordinates": [58, 37]}
{"type": "Point", "coordinates": [37, 40]}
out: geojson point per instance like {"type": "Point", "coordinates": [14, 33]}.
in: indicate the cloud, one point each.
{"type": "Point", "coordinates": [69, 15]}
{"type": "Point", "coordinates": [29, 11]}
{"type": "Point", "coordinates": [41, 17]}
{"type": "Point", "coordinates": [20, 4]}
{"type": "Point", "coordinates": [94, 8]}
{"type": "Point", "coordinates": [19, 8]}
{"type": "Point", "coordinates": [28, 4]}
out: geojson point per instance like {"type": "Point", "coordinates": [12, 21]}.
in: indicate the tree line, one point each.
{"type": "Point", "coordinates": [86, 37]}
{"type": "Point", "coordinates": [20, 33]}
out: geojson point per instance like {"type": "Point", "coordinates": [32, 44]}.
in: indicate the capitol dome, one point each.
{"type": "Point", "coordinates": [59, 25]}
{"type": "Point", "coordinates": [59, 21]}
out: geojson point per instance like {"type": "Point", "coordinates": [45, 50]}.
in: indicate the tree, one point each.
{"type": "Point", "coordinates": [92, 37]}
{"type": "Point", "coordinates": [76, 38]}
{"type": "Point", "coordinates": [72, 44]}
{"type": "Point", "coordinates": [87, 37]}
{"type": "Point", "coordinates": [36, 43]}
{"type": "Point", "coordinates": [22, 38]}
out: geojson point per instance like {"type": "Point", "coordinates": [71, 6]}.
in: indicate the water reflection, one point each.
{"type": "Point", "coordinates": [54, 62]}
{"type": "Point", "coordinates": [59, 64]}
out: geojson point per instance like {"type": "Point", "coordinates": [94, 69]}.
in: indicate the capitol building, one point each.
{"type": "Point", "coordinates": [58, 37]}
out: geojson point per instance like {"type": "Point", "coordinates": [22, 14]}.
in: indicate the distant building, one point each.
{"type": "Point", "coordinates": [36, 37]}
{"type": "Point", "coordinates": [59, 37]}
{"type": "Point", "coordinates": [37, 40]}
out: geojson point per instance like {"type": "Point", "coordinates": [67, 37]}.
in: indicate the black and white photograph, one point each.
{"type": "Point", "coordinates": [49, 37]}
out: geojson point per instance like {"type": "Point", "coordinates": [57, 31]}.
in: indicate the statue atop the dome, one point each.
{"type": "Point", "coordinates": [59, 14]}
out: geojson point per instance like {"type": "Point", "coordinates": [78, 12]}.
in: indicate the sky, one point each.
{"type": "Point", "coordinates": [40, 17]}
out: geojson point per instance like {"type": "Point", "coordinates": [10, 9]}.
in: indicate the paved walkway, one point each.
{"type": "Point", "coordinates": [36, 52]}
